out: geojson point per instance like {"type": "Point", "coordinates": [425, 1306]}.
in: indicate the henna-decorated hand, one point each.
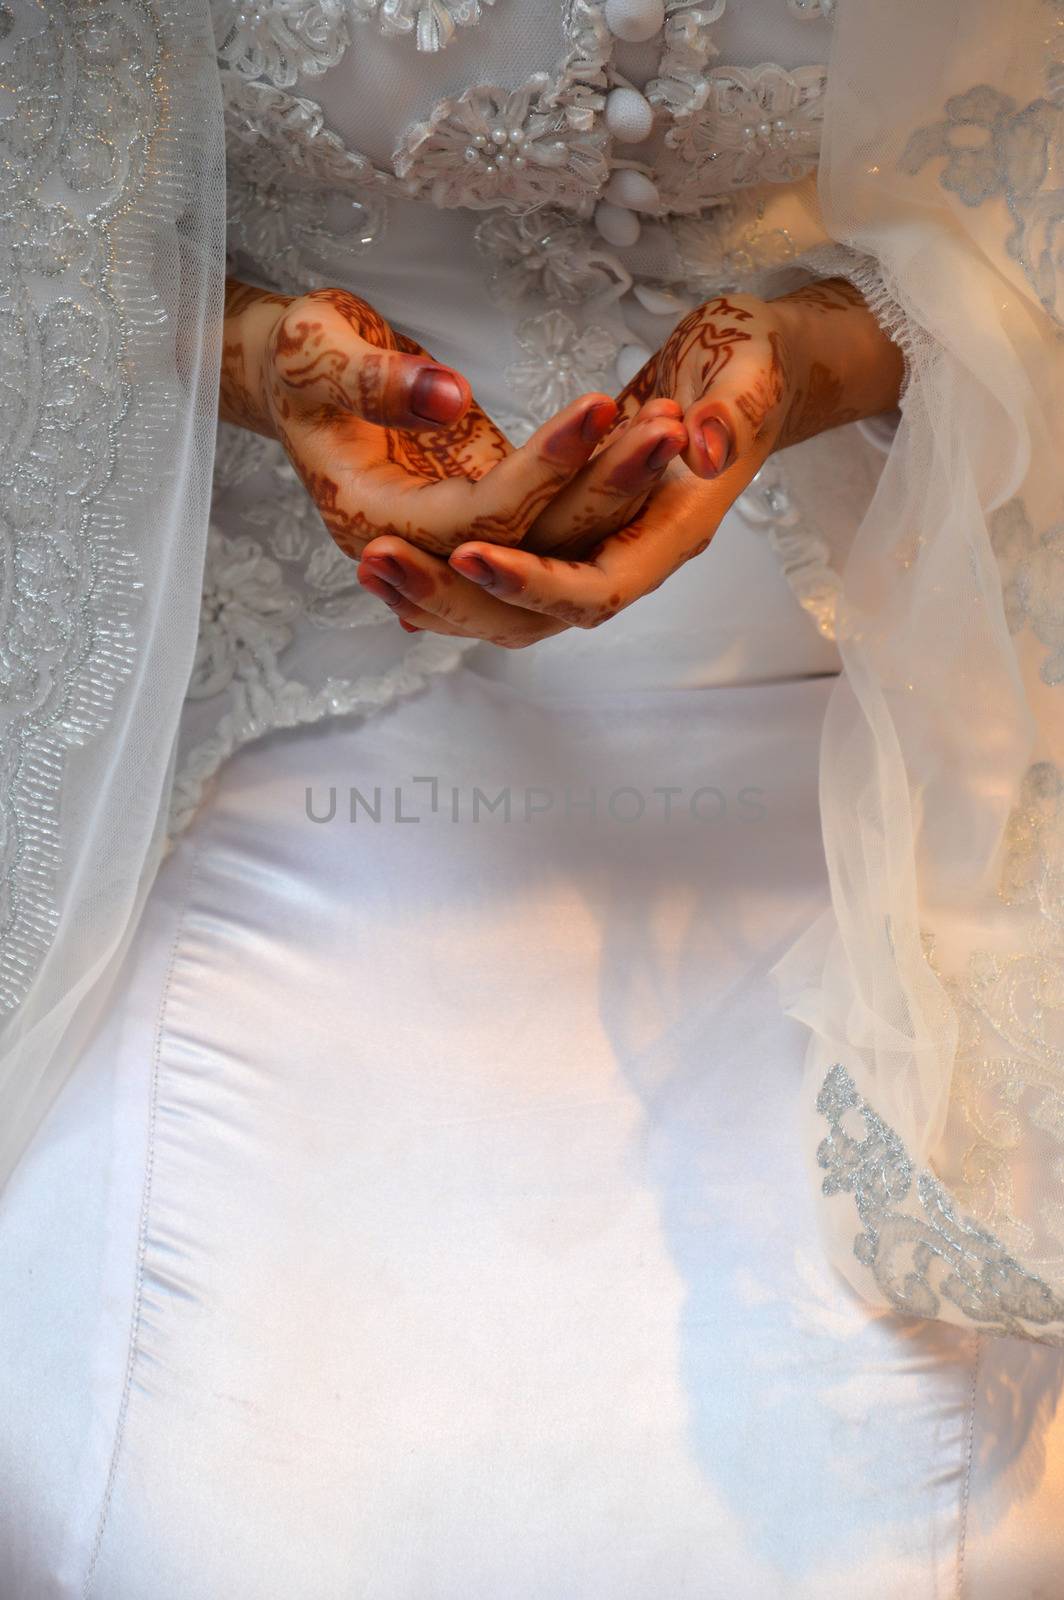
{"type": "Point", "coordinates": [386, 441]}
{"type": "Point", "coordinates": [747, 377]}
{"type": "Point", "coordinates": [752, 376]}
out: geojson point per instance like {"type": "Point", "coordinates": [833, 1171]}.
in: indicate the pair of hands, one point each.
{"type": "Point", "coordinates": [460, 533]}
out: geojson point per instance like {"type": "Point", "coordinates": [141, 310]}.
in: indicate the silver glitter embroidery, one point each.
{"type": "Point", "coordinates": [82, 101]}
{"type": "Point", "coordinates": [928, 1260]}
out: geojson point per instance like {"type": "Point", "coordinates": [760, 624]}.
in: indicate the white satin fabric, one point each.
{"type": "Point", "coordinates": [426, 1217]}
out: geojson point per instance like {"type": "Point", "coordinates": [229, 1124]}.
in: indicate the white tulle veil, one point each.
{"type": "Point", "coordinates": [935, 986]}
{"type": "Point", "coordinates": [112, 251]}
{"type": "Point", "coordinates": [934, 990]}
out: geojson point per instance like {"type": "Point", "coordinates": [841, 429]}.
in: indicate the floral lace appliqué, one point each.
{"type": "Point", "coordinates": [742, 125]}
{"type": "Point", "coordinates": [545, 254]}
{"type": "Point", "coordinates": [559, 362]}
{"type": "Point", "coordinates": [246, 614]}
{"type": "Point", "coordinates": [1032, 573]}
{"type": "Point", "coordinates": [541, 144]}
{"type": "Point", "coordinates": [1008, 1088]}
{"type": "Point", "coordinates": [280, 40]}
{"type": "Point", "coordinates": [925, 1256]}
{"type": "Point", "coordinates": [993, 148]}
{"type": "Point", "coordinates": [431, 23]}
{"type": "Point", "coordinates": [300, 203]}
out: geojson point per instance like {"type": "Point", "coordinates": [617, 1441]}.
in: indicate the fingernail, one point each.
{"type": "Point", "coordinates": [598, 419]}
{"type": "Point", "coordinates": [664, 452]}
{"type": "Point", "coordinates": [718, 442]}
{"type": "Point", "coordinates": [435, 396]}
{"type": "Point", "coordinates": [473, 568]}
{"type": "Point", "coordinates": [384, 567]}
{"type": "Point", "coordinates": [407, 627]}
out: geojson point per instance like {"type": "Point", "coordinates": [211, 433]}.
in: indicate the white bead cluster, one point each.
{"type": "Point", "coordinates": [630, 119]}
{"type": "Point", "coordinates": [495, 152]}
{"type": "Point", "coordinates": [769, 135]}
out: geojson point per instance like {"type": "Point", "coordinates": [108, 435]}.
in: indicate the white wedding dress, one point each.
{"type": "Point", "coordinates": [425, 1217]}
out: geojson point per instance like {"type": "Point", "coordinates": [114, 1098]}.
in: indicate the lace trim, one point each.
{"type": "Point", "coordinates": [431, 23]}
{"type": "Point", "coordinates": [737, 126]}
{"type": "Point", "coordinates": [285, 171]}
{"type": "Point", "coordinates": [924, 1255]}
{"type": "Point", "coordinates": [995, 149]}
{"type": "Point", "coordinates": [282, 40]}
{"type": "Point", "coordinates": [766, 503]}
{"type": "Point", "coordinates": [268, 701]}
{"type": "Point", "coordinates": [1008, 1088]}
{"type": "Point", "coordinates": [541, 144]}
{"type": "Point", "coordinates": [68, 589]}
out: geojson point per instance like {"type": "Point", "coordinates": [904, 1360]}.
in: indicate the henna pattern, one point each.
{"type": "Point", "coordinates": [816, 408]}
{"type": "Point", "coordinates": [828, 294]}
{"type": "Point", "coordinates": [291, 370]}
{"type": "Point", "coordinates": [760, 401]}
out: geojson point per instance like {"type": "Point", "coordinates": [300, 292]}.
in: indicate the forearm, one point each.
{"type": "Point", "coordinates": [846, 368]}
{"type": "Point", "coordinates": [250, 316]}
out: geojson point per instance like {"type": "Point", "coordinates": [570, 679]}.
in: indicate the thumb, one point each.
{"type": "Point", "coordinates": [326, 368]}
{"type": "Point", "coordinates": [738, 418]}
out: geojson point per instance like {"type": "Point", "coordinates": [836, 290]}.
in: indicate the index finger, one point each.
{"type": "Point", "coordinates": [503, 504]}
{"type": "Point", "coordinates": [676, 525]}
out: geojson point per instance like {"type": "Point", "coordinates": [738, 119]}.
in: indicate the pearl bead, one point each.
{"type": "Point", "coordinates": [661, 302]}
{"type": "Point", "coordinates": [616, 225]}
{"type": "Point", "coordinates": [498, 136]}
{"type": "Point", "coordinates": [631, 359]}
{"type": "Point", "coordinates": [633, 190]}
{"type": "Point", "coordinates": [635, 21]}
{"type": "Point", "coordinates": [629, 115]}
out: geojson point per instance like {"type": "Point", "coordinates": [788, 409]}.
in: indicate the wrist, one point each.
{"type": "Point", "coordinates": [844, 367]}
{"type": "Point", "coordinates": [251, 315]}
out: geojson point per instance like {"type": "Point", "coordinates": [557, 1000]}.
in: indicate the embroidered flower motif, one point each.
{"type": "Point", "coordinates": [727, 247]}
{"type": "Point", "coordinates": [280, 40]}
{"type": "Point", "coordinates": [688, 46]}
{"type": "Point", "coordinates": [501, 147]}
{"type": "Point", "coordinates": [1032, 574]}
{"type": "Point", "coordinates": [972, 138]}
{"type": "Point", "coordinates": [994, 149]}
{"type": "Point", "coordinates": [244, 621]}
{"type": "Point", "coordinates": [928, 1258]}
{"type": "Point", "coordinates": [297, 198]}
{"type": "Point", "coordinates": [560, 362]}
{"type": "Point", "coordinates": [743, 125]}
{"type": "Point", "coordinates": [546, 254]}
{"type": "Point", "coordinates": [430, 22]}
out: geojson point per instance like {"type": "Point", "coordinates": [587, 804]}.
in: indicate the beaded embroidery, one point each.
{"type": "Point", "coordinates": [67, 585]}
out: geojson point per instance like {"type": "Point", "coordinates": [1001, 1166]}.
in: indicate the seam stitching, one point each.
{"type": "Point", "coordinates": [142, 1235]}
{"type": "Point", "coordinates": [969, 1452]}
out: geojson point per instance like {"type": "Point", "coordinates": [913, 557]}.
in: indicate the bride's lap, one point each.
{"type": "Point", "coordinates": [425, 1216]}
